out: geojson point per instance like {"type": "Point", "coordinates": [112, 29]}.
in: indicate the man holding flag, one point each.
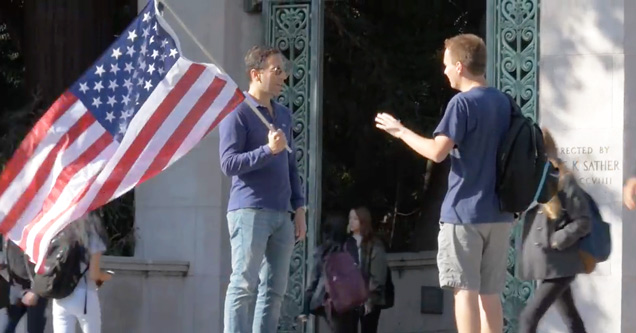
{"type": "Point", "coordinates": [265, 188]}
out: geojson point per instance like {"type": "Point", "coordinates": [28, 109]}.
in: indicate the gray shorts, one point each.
{"type": "Point", "coordinates": [473, 256]}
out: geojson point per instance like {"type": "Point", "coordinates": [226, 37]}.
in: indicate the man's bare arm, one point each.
{"type": "Point", "coordinates": [435, 149]}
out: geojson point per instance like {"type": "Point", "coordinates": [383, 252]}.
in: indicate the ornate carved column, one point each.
{"type": "Point", "coordinates": [295, 28]}
{"type": "Point", "coordinates": [513, 41]}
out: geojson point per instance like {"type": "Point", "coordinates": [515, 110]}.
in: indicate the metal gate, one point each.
{"type": "Point", "coordinates": [296, 28]}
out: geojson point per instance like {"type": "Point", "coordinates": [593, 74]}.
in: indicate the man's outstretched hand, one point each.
{"type": "Point", "coordinates": [389, 124]}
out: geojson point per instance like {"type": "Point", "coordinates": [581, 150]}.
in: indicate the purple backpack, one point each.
{"type": "Point", "coordinates": [344, 285]}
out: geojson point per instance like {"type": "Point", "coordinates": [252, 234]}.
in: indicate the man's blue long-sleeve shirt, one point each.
{"type": "Point", "coordinates": [260, 179]}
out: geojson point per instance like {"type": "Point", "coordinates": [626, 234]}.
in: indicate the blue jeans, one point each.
{"type": "Point", "coordinates": [262, 243]}
{"type": "Point", "coordinates": [36, 317]}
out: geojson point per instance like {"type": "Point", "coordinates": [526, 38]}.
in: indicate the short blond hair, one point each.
{"type": "Point", "coordinates": [469, 50]}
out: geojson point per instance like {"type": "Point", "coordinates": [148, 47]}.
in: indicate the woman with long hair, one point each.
{"type": "Point", "coordinates": [550, 248]}
{"type": "Point", "coordinates": [373, 263]}
{"type": "Point", "coordinates": [82, 305]}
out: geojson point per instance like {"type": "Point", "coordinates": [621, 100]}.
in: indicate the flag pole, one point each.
{"type": "Point", "coordinates": [207, 54]}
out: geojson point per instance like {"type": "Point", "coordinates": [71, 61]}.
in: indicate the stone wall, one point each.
{"type": "Point", "coordinates": [585, 102]}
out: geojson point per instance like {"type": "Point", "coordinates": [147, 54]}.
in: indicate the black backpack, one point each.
{"type": "Point", "coordinates": [521, 162]}
{"type": "Point", "coordinates": [62, 265]}
{"type": "Point", "coordinates": [19, 268]}
{"type": "Point", "coordinates": [389, 290]}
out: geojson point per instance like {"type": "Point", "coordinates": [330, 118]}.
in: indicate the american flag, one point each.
{"type": "Point", "coordinates": [137, 110]}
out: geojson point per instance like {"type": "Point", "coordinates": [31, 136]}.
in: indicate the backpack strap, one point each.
{"type": "Point", "coordinates": [326, 302]}
{"type": "Point", "coordinates": [83, 275]}
{"type": "Point", "coordinates": [5, 241]}
{"type": "Point", "coordinates": [513, 105]}
{"type": "Point", "coordinates": [537, 193]}
{"type": "Point", "coordinates": [369, 260]}
{"type": "Point", "coordinates": [546, 167]}
{"type": "Point", "coordinates": [85, 291]}
{"type": "Point", "coordinates": [26, 265]}
{"type": "Point", "coordinates": [328, 310]}
{"type": "Point", "coordinates": [28, 269]}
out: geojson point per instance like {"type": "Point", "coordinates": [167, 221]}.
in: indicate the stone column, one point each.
{"type": "Point", "coordinates": [628, 299]}
{"type": "Point", "coordinates": [180, 214]}
{"type": "Point", "coordinates": [584, 75]}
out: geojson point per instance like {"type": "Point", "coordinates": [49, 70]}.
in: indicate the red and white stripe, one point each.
{"type": "Point", "coordinates": [69, 165]}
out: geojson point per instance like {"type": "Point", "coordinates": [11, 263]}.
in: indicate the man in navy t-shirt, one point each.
{"type": "Point", "coordinates": [474, 234]}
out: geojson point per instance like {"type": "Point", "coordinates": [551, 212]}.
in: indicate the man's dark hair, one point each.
{"type": "Point", "coordinates": [257, 56]}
